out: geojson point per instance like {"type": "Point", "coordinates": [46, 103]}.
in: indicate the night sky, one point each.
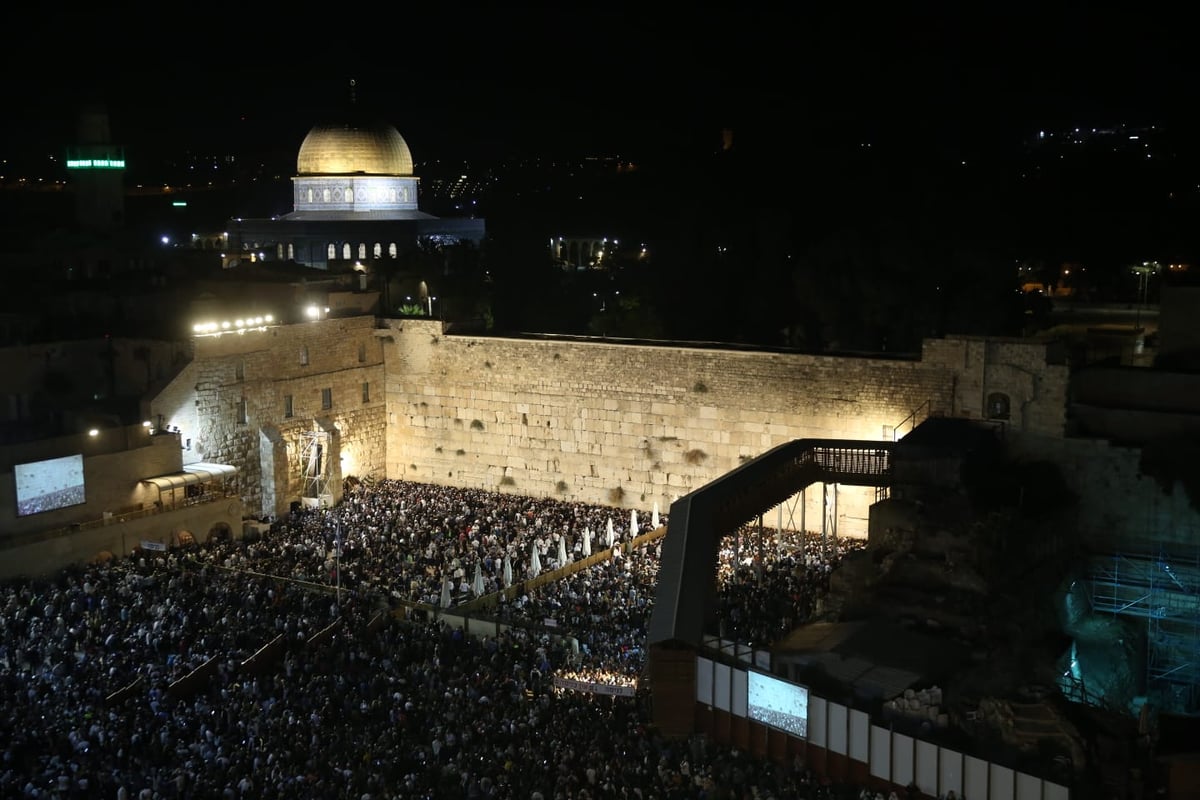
{"type": "Point", "coordinates": [463, 80]}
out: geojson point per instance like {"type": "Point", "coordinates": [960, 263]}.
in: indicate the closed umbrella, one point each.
{"type": "Point", "coordinates": [507, 571]}
{"type": "Point", "coordinates": [535, 561]}
{"type": "Point", "coordinates": [587, 542]}
{"type": "Point", "coordinates": [611, 534]}
{"type": "Point", "coordinates": [654, 516]}
{"type": "Point", "coordinates": [445, 593]}
{"type": "Point", "coordinates": [477, 583]}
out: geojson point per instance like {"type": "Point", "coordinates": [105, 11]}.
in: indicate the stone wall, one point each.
{"type": "Point", "coordinates": [231, 403]}
{"type": "Point", "coordinates": [1119, 506]}
{"type": "Point", "coordinates": [632, 425]}
{"type": "Point", "coordinates": [44, 556]}
{"type": "Point", "coordinates": [626, 425]}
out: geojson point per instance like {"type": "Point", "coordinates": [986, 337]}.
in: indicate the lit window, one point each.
{"type": "Point", "coordinates": [362, 250]}
{"type": "Point", "coordinates": [392, 250]}
{"type": "Point", "coordinates": [997, 406]}
{"type": "Point", "coordinates": [331, 251]}
{"type": "Point", "coordinates": [346, 251]}
{"type": "Point", "coordinates": [377, 252]}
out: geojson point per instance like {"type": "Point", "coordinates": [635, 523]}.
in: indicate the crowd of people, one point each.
{"type": "Point", "coordinates": [280, 668]}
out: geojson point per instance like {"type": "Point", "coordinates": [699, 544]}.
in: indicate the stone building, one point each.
{"type": "Point", "coordinates": [355, 203]}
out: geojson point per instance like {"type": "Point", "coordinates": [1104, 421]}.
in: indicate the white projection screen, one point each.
{"type": "Point", "coordinates": [48, 485]}
{"type": "Point", "coordinates": [778, 703]}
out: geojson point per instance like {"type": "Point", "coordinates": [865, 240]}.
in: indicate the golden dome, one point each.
{"type": "Point", "coordinates": [376, 149]}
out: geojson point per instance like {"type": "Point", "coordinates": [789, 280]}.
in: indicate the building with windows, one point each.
{"type": "Point", "coordinates": [355, 205]}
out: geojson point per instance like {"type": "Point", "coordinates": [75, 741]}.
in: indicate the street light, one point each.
{"type": "Point", "coordinates": [1143, 271]}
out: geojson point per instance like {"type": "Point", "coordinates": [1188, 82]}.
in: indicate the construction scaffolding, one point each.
{"type": "Point", "coordinates": [1163, 589]}
{"type": "Point", "coordinates": [314, 468]}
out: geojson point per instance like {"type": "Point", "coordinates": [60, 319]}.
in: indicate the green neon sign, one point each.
{"type": "Point", "coordinates": [95, 163]}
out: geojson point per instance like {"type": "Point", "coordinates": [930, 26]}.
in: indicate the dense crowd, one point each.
{"type": "Point", "coordinates": [148, 677]}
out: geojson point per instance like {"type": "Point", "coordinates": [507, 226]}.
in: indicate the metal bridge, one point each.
{"type": "Point", "coordinates": [685, 598]}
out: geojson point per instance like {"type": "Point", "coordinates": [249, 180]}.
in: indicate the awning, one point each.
{"type": "Point", "coordinates": [192, 473]}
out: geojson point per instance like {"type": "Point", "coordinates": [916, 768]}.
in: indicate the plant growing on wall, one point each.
{"type": "Point", "coordinates": [476, 424]}
{"type": "Point", "coordinates": [695, 457]}
{"type": "Point", "coordinates": [561, 486]}
{"type": "Point", "coordinates": [699, 387]}
{"type": "Point", "coordinates": [508, 480]}
{"type": "Point", "coordinates": [615, 495]}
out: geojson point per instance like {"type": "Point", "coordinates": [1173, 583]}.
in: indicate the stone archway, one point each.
{"type": "Point", "coordinates": [220, 532]}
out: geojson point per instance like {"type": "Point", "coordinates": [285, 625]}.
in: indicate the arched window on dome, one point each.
{"type": "Point", "coordinates": [346, 251]}
{"type": "Point", "coordinates": [291, 256]}
{"type": "Point", "coordinates": [377, 251]}
{"type": "Point", "coordinates": [310, 195]}
{"type": "Point", "coordinates": [326, 196]}
{"type": "Point", "coordinates": [331, 253]}
{"type": "Point", "coordinates": [392, 250]}
{"type": "Point", "coordinates": [279, 251]}
{"type": "Point", "coordinates": [392, 196]}
{"type": "Point", "coordinates": [349, 194]}
{"type": "Point", "coordinates": [362, 250]}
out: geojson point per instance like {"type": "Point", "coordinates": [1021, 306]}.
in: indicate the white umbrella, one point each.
{"type": "Point", "coordinates": [633, 523]}
{"type": "Point", "coordinates": [587, 542]}
{"type": "Point", "coordinates": [611, 534]}
{"type": "Point", "coordinates": [445, 593]}
{"type": "Point", "coordinates": [507, 571]}
{"type": "Point", "coordinates": [535, 561]}
{"type": "Point", "coordinates": [477, 583]}
{"type": "Point", "coordinates": [562, 551]}
{"type": "Point", "coordinates": [654, 516]}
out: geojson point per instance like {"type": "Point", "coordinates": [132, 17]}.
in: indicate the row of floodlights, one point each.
{"type": "Point", "coordinates": [235, 325]}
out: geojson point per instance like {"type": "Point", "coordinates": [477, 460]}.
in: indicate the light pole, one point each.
{"type": "Point", "coordinates": [1143, 271]}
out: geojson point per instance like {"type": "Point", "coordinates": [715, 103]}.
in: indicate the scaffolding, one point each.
{"type": "Point", "coordinates": [1164, 590]}
{"type": "Point", "coordinates": [314, 467]}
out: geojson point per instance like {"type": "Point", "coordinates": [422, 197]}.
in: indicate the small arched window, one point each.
{"type": "Point", "coordinates": [331, 252]}
{"type": "Point", "coordinates": [326, 196]}
{"type": "Point", "coordinates": [377, 252]}
{"type": "Point", "coordinates": [997, 406]}
{"type": "Point", "coordinates": [346, 251]}
{"type": "Point", "coordinates": [362, 251]}
{"type": "Point", "coordinates": [392, 250]}
{"type": "Point", "coordinates": [310, 195]}
{"type": "Point", "coordinates": [349, 195]}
